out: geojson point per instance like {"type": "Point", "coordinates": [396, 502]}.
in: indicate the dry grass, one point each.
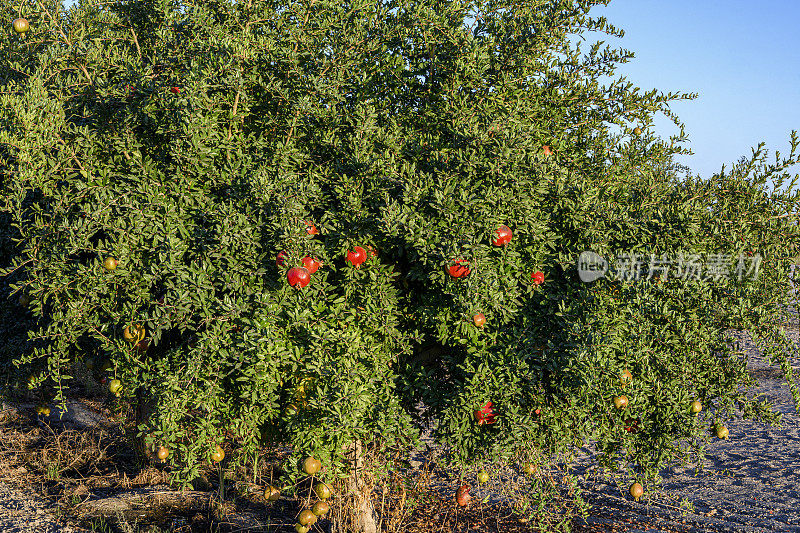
{"type": "Point", "coordinates": [67, 461]}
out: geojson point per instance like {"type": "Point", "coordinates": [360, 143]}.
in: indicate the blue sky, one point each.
{"type": "Point", "coordinates": [742, 58]}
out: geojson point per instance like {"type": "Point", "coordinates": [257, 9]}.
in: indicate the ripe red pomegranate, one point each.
{"type": "Point", "coordinates": [311, 229]}
{"type": "Point", "coordinates": [463, 496]}
{"type": "Point", "coordinates": [486, 414]}
{"type": "Point", "coordinates": [502, 236]}
{"type": "Point", "coordinates": [281, 259]}
{"type": "Point", "coordinates": [357, 256]}
{"type": "Point", "coordinates": [458, 269]}
{"type": "Point", "coordinates": [298, 276]}
{"type": "Point", "coordinates": [538, 278]}
{"type": "Point", "coordinates": [312, 264]}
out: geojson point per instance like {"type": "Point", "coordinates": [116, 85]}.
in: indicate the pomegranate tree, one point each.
{"type": "Point", "coordinates": [448, 176]}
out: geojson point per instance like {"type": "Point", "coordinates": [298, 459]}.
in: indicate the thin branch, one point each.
{"type": "Point", "coordinates": [66, 39]}
{"type": "Point", "coordinates": [235, 107]}
{"type": "Point", "coordinates": [136, 42]}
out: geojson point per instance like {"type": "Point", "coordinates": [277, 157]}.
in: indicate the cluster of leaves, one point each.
{"type": "Point", "coordinates": [193, 143]}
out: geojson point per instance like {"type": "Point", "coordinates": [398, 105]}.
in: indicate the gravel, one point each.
{"type": "Point", "coordinates": [26, 513]}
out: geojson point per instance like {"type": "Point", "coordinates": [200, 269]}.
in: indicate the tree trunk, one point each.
{"type": "Point", "coordinates": [359, 488]}
{"type": "Point", "coordinates": [144, 410]}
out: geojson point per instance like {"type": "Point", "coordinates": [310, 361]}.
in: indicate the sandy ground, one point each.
{"type": "Point", "coordinates": [751, 481]}
{"type": "Point", "coordinates": [26, 513]}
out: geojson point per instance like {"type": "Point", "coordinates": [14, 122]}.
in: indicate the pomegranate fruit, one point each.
{"type": "Point", "coordinates": [298, 277]}
{"type": "Point", "coordinates": [621, 402]}
{"type": "Point", "coordinates": [311, 466]}
{"type": "Point", "coordinates": [218, 454]}
{"type": "Point", "coordinates": [463, 496]}
{"type": "Point", "coordinates": [485, 415]}
{"type": "Point", "coordinates": [306, 517]}
{"type": "Point", "coordinates": [311, 264]}
{"type": "Point", "coordinates": [115, 386]}
{"type": "Point", "coordinates": [272, 494]}
{"type": "Point", "coordinates": [321, 508]}
{"type": "Point", "coordinates": [458, 269]}
{"type": "Point", "coordinates": [502, 236]}
{"type": "Point", "coordinates": [322, 491]}
{"type": "Point", "coordinates": [281, 259]}
{"type": "Point", "coordinates": [162, 453]}
{"type": "Point", "coordinates": [21, 25]}
{"type": "Point", "coordinates": [357, 256]}
{"type": "Point", "coordinates": [632, 425]}
{"type": "Point", "coordinates": [626, 377]}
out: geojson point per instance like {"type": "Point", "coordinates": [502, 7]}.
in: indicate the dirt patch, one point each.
{"type": "Point", "coordinates": [747, 483]}
{"type": "Point", "coordinates": [24, 512]}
